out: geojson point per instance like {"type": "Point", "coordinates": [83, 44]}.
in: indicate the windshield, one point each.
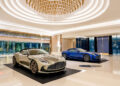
{"type": "Point", "coordinates": [82, 50]}
{"type": "Point", "coordinates": [37, 52]}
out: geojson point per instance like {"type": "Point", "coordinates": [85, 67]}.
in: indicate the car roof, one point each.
{"type": "Point", "coordinates": [72, 48]}
{"type": "Point", "coordinates": [28, 49]}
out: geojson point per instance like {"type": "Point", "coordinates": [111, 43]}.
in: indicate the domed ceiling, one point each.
{"type": "Point", "coordinates": [88, 10]}
{"type": "Point", "coordinates": [51, 17]}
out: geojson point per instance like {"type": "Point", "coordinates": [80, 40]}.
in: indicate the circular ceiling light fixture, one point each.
{"type": "Point", "coordinates": [55, 9]}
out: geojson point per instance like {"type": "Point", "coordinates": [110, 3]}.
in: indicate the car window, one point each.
{"type": "Point", "coordinates": [24, 52]}
{"type": "Point", "coordinates": [72, 50]}
{"type": "Point", "coordinates": [81, 50]}
{"type": "Point", "coordinates": [37, 52]}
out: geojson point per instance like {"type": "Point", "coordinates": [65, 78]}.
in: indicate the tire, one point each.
{"type": "Point", "coordinates": [15, 64]}
{"type": "Point", "coordinates": [86, 58]}
{"type": "Point", "coordinates": [65, 56]}
{"type": "Point", "coordinates": [34, 67]}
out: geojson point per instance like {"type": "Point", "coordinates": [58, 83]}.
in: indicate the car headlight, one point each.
{"type": "Point", "coordinates": [44, 61]}
{"type": "Point", "coordinates": [95, 54]}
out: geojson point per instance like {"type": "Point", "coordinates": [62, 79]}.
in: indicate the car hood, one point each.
{"type": "Point", "coordinates": [48, 58]}
{"type": "Point", "coordinates": [93, 53]}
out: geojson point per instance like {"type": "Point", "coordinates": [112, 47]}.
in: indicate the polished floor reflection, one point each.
{"type": "Point", "coordinates": [106, 73]}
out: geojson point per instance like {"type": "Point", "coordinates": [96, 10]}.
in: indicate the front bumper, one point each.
{"type": "Point", "coordinates": [52, 71]}
{"type": "Point", "coordinates": [96, 58]}
{"type": "Point", "coordinates": [56, 67]}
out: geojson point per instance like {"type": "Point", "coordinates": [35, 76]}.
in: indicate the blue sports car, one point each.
{"type": "Point", "coordinates": [81, 54]}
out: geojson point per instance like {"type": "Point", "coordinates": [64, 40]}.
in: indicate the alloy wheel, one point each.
{"type": "Point", "coordinates": [64, 55]}
{"type": "Point", "coordinates": [86, 58]}
{"type": "Point", "coordinates": [15, 64]}
{"type": "Point", "coordinates": [34, 67]}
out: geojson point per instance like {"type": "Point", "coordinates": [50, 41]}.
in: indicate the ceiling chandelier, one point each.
{"type": "Point", "coordinates": [55, 7]}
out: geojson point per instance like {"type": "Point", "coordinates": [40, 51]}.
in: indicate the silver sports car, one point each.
{"type": "Point", "coordinates": [38, 60]}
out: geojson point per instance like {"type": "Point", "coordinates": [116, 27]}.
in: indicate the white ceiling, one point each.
{"type": "Point", "coordinates": [95, 18]}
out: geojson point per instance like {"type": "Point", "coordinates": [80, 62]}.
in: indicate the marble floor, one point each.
{"type": "Point", "coordinates": [106, 73]}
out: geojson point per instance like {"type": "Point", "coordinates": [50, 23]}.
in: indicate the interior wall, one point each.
{"type": "Point", "coordinates": [59, 44]}
{"type": "Point", "coordinates": [68, 43]}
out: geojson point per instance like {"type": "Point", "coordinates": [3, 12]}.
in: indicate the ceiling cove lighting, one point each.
{"type": "Point", "coordinates": [87, 27]}
{"type": "Point", "coordinates": [90, 10]}
{"type": "Point", "coordinates": [32, 12]}
{"type": "Point", "coordinates": [19, 29]}
{"type": "Point", "coordinates": [16, 27]}
{"type": "Point", "coordinates": [10, 26]}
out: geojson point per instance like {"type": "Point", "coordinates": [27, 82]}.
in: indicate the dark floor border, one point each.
{"type": "Point", "coordinates": [43, 78]}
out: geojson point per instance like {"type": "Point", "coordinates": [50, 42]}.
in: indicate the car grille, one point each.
{"type": "Point", "coordinates": [58, 65]}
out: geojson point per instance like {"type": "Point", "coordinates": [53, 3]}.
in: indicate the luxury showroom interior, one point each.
{"type": "Point", "coordinates": [59, 42]}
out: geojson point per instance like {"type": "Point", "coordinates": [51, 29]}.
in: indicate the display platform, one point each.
{"type": "Point", "coordinates": [102, 61]}
{"type": "Point", "coordinates": [90, 66]}
{"type": "Point", "coordinates": [43, 78]}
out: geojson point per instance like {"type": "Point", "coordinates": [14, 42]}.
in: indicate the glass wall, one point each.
{"type": "Point", "coordinates": [9, 47]}
{"type": "Point", "coordinates": [18, 47]}
{"type": "Point", "coordinates": [27, 45]}
{"type": "Point", "coordinates": [82, 43]}
{"type": "Point", "coordinates": [45, 46]}
{"type": "Point", "coordinates": [116, 44]}
{"type": "Point", "coordinates": [106, 44]}
{"type": "Point", "coordinates": [91, 44]}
